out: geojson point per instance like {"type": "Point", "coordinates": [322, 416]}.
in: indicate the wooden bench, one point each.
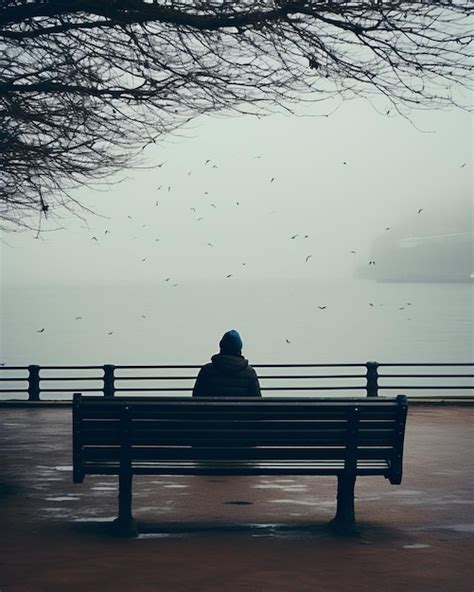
{"type": "Point", "coordinates": [238, 436]}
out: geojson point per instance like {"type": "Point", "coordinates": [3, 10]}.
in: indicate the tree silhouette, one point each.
{"type": "Point", "coordinates": [86, 84]}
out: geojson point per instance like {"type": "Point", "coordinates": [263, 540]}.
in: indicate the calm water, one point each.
{"type": "Point", "coordinates": [166, 324]}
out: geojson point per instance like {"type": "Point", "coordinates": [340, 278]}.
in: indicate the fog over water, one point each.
{"type": "Point", "coordinates": [151, 265]}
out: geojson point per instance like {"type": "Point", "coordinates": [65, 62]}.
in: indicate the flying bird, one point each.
{"type": "Point", "coordinates": [272, 179]}
{"type": "Point", "coordinates": [144, 259]}
{"type": "Point", "coordinates": [307, 258]}
{"type": "Point", "coordinates": [463, 165]}
{"type": "Point", "coordinates": [371, 262]}
{"type": "Point", "coordinates": [344, 162]}
{"type": "Point", "coordinates": [237, 203]}
{"type": "Point", "coordinates": [169, 188]}
{"type": "Point", "coordinates": [388, 228]}
{"type": "Point", "coordinates": [401, 308]}
{"type": "Point", "coordinates": [40, 331]}
{"type": "Point", "coordinates": [143, 317]}
{"type": "Point", "coordinates": [213, 205]}
{"type": "Point", "coordinates": [229, 276]}
{"type": "Point", "coordinates": [353, 252]}
{"type": "Point", "coordinates": [157, 203]}
{"type": "Point", "coordinates": [78, 318]}
{"type": "Point", "coordinates": [167, 279]}
{"type": "Point", "coordinates": [322, 307]}
{"type": "Point", "coordinates": [160, 165]}
{"type": "Point", "coordinates": [306, 236]}
{"type": "Point", "coordinates": [107, 232]}
{"type": "Point", "coordinates": [420, 210]}
{"type": "Point", "coordinates": [210, 245]}
{"type": "Point", "coordinates": [189, 172]}
{"type": "Point", "coordinates": [199, 219]}
{"type": "Point", "coordinates": [192, 209]}
{"type": "Point", "coordinates": [294, 236]}
{"type": "Point", "coordinates": [214, 166]}
{"type": "Point", "coordinates": [95, 238]}
{"type": "Point", "coordinates": [287, 341]}
{"type": "Point", "coordinates": [371, 304]}
{"type": "Point", "coordinates": [110, 333]}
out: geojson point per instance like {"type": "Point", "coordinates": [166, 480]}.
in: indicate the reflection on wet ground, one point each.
{"type": "Point", "coordinates": [428, 516]}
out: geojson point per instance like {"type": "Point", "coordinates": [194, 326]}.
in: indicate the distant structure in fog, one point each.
{"type": "Point", "coordinates": [433, 258]}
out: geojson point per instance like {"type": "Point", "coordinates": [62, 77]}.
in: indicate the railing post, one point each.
{"type": "Point", "coordinates": [33, 383]}
{"type": "Point", "coordinates": [109, 380]}
{"type": "Point", "coordinates": [372, 379]}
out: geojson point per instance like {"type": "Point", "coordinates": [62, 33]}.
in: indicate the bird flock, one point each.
{"type": "Point", "coordinates": [208, 163]}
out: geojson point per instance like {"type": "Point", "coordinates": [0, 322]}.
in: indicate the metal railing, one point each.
{"type": "Point", "coordinates": [36, 383]}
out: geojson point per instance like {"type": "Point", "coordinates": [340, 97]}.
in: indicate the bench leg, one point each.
{"type": "Point", "coordinates": [344, 521]}
{"type": "Point", "coordinates": [125, 524]}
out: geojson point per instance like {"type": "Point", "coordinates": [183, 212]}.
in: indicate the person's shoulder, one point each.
{"type": "Point", "coordinates": [206, 368]}
{"type": "Point", "coordinates": [251, 370]}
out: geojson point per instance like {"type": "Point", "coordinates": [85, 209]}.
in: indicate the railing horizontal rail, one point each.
{"type": "Point", "coordinates": [270, 388]}
{"type": "Point", "coordinates": [14, 391]}
{"type": "Point", "coordinates": [367, 376]}
{"type": "Point", "coordinates": [261, 377]}
{"type": "Point", "coordinates": [432, 386]}
{"type": "Point", "coordinates": [426, 375]}
{"type": "Point", "coordinates": [380, 364]}
{"type": "Point", "coordinates": [9, 379]}
{"type": "Point", "coordinates": [166, 366]}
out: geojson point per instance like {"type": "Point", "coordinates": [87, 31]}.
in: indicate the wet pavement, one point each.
{"type": "Point", "coordinates": [235, 533]}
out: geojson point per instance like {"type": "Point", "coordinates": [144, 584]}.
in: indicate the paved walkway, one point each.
{"type": "Point", "coordinates": [240, 534]}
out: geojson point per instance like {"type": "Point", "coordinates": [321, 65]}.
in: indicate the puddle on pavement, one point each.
{"type": "Point", "coordinates": [451, 502]}
{"type": "Point", "coordinates": [158, 509]}
{"type": "Point", "coordinates": [417, 546]}
{"type": "Point", "coordinates": [63, 468]}
{"type": "Point", "coordinates": [281, 487]}
{"type": "Point", "coordinates": [303, 502]}
{"type": "Point", "coordinates": [175, 486]}
{"type": "Point", "coordinates": [65, 498]}
{"type": "Point", "coordinates": [104, 488]}
{"type": "Point", "coordinates": [460, 527]}
{"type": "Point", "coordinates": [161, 535]}
{"type": "Point", "coordinates": [407, 492]}
{"type": "Point", "coordinates": [95, 519]}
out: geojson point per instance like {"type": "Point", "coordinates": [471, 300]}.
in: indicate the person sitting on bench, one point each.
{"type": "Point", "coordinates": [229, 373]}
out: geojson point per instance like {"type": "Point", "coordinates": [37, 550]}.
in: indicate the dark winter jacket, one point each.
{"type": "Point", "coordinates": [227, 376]}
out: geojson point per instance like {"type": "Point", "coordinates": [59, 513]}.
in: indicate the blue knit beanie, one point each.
{"type": "Point", "coordinates": [231, 343]}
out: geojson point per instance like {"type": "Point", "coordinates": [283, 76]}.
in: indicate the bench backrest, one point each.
{"type": "Point", "coordinates": [183, 430]}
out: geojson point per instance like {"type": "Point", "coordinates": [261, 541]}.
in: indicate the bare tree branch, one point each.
{"type": "Point", "coordinates": [85, 84]}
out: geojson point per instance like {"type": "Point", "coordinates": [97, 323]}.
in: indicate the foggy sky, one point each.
{"type": "Point", "coordinates": [393, 169]}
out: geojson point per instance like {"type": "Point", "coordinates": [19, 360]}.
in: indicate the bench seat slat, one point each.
{"type": "Point", "coordinates": [380, 467]}
{"type": "Point", "coordinates": [251, 453]}
{"type": "Point", "coordinates": [253, 415]}
{"type": "Point", "coordinates": [238, 437]}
